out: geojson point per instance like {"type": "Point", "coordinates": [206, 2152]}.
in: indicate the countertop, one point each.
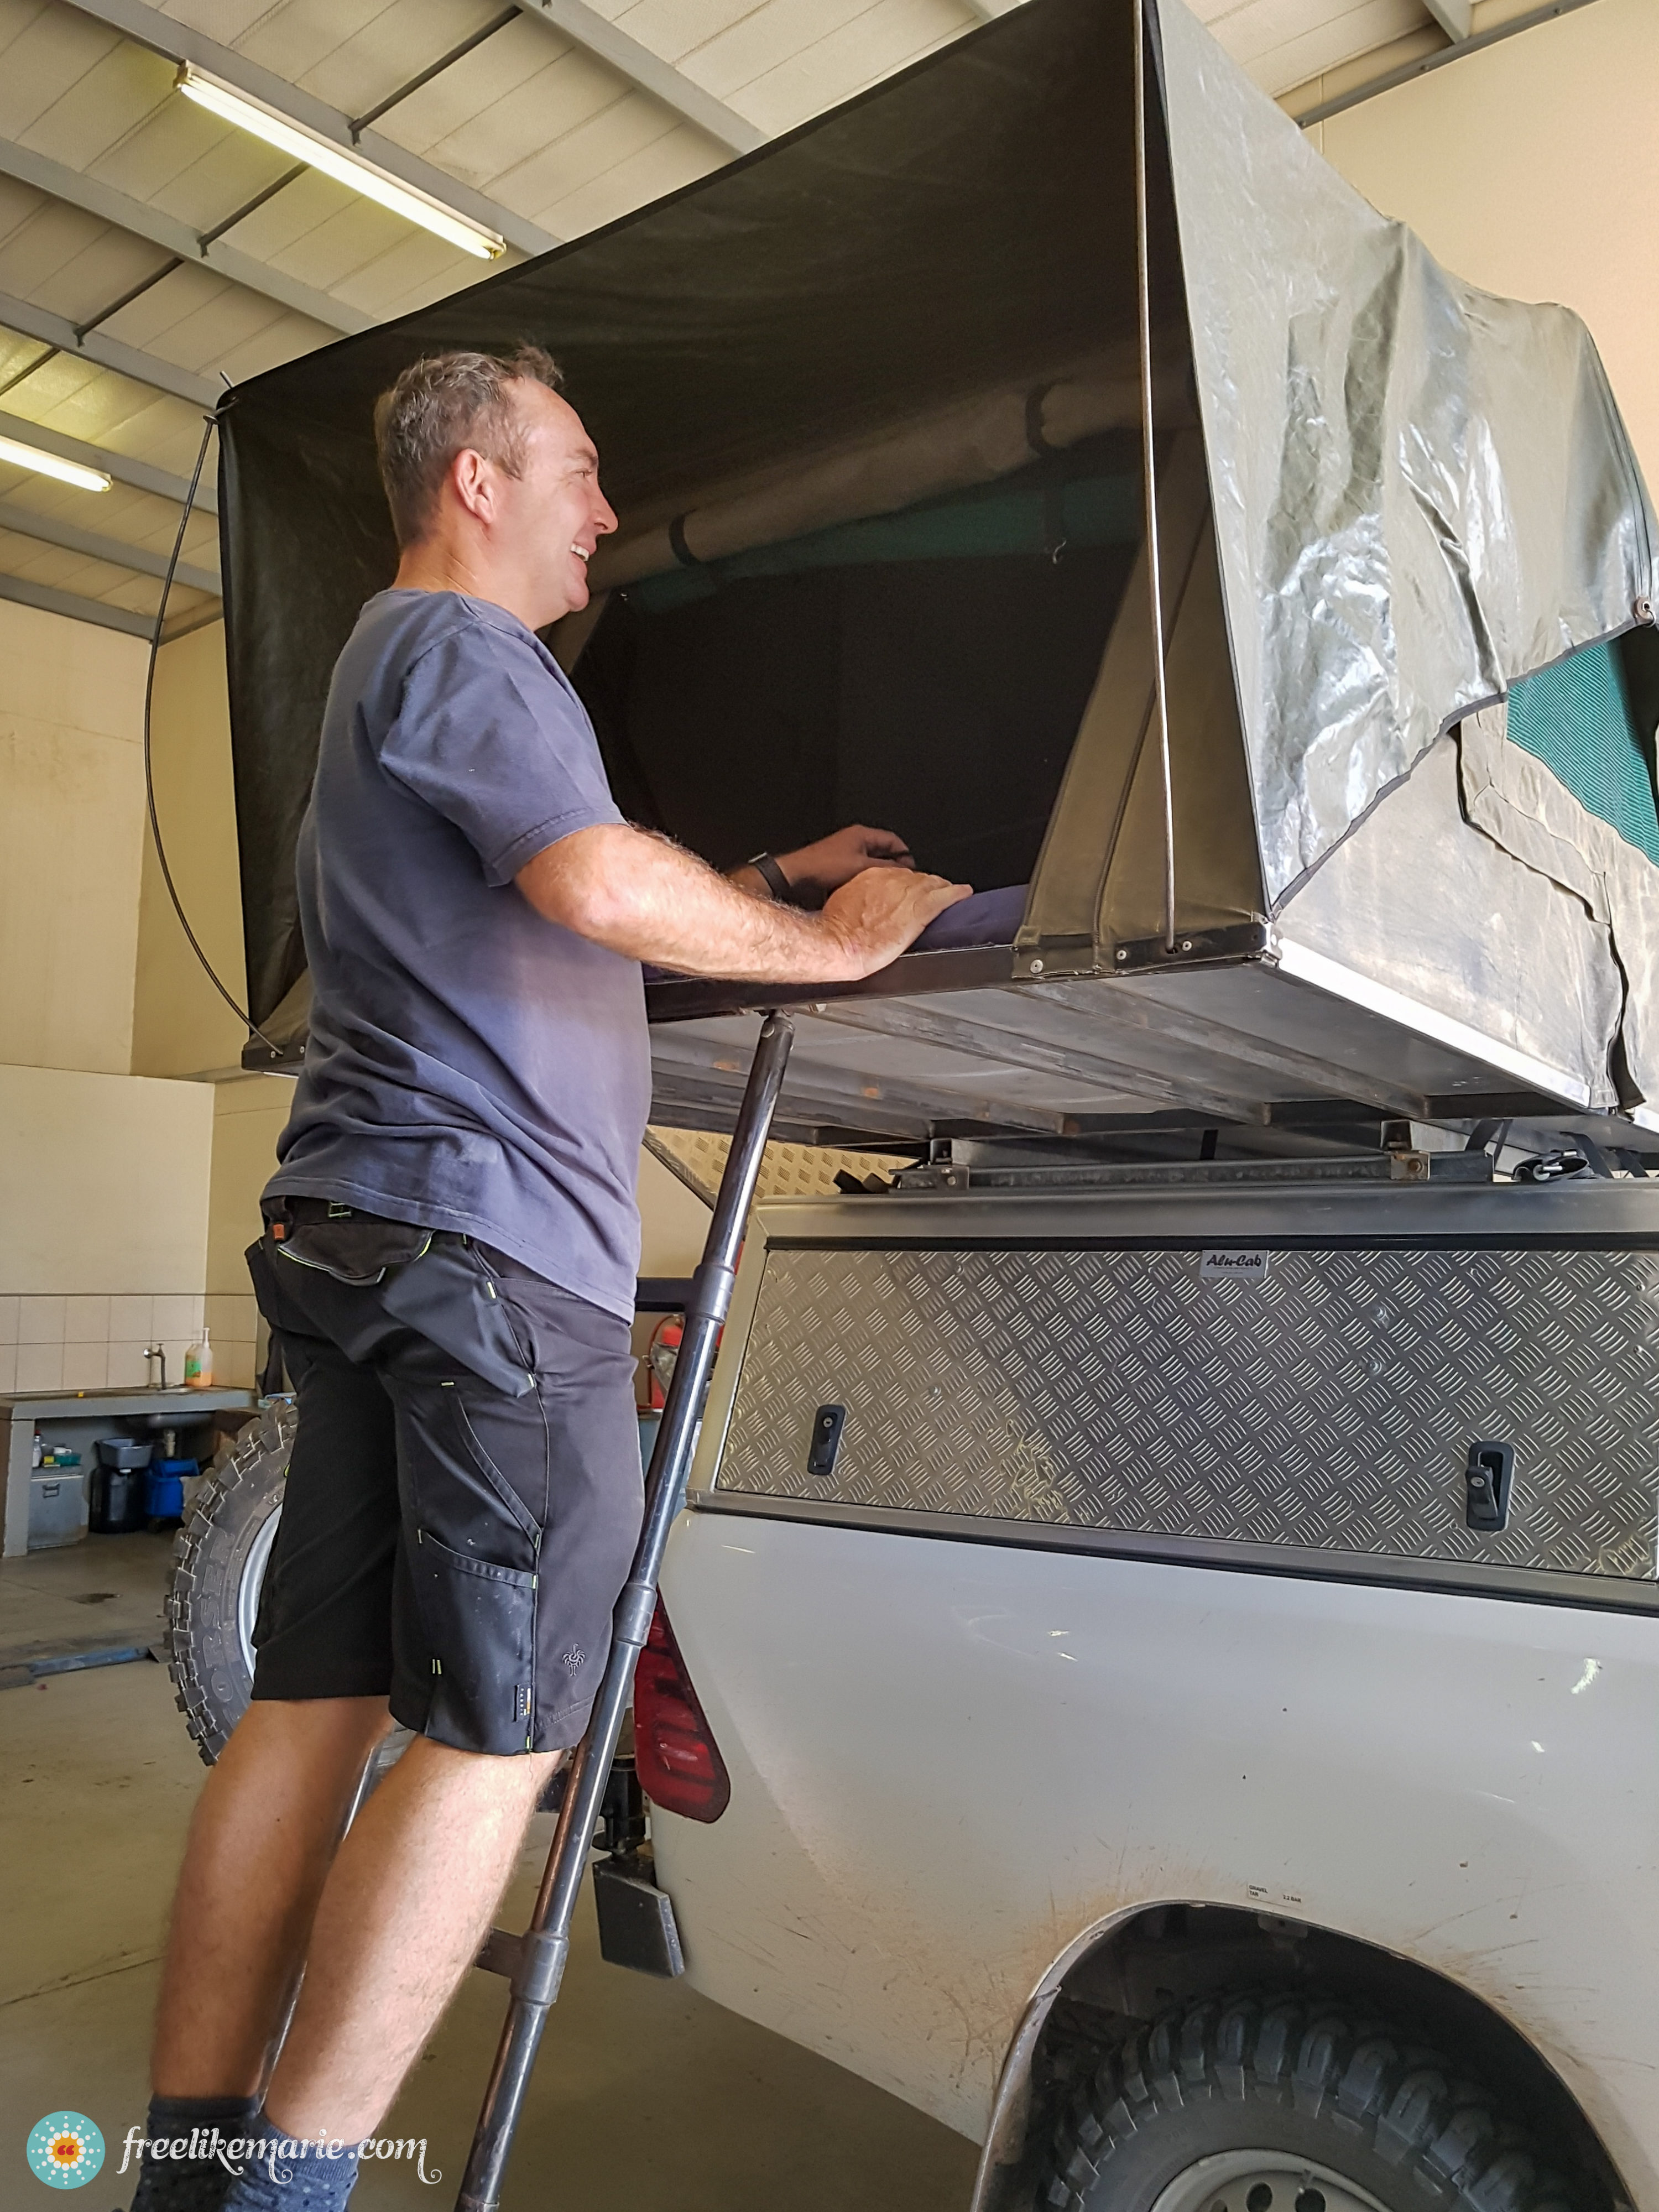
{"type": "Point", "coordinates": [120, 1404]}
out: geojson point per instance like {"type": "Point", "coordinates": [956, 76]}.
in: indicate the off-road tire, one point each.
{"type": "Point", "coordinates": [240, 1495]}
{"type": "Point", "coordinates": [1326, 2083]}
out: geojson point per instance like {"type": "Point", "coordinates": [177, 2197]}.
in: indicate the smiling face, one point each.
{"type": "Point", "coordinates": [549, 518]}
{"type": "Point", "coordinates": [518, 530]}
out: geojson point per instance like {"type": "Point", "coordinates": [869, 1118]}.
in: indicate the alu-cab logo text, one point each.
{"type": "Point", "coordinates": [1222, 1263]}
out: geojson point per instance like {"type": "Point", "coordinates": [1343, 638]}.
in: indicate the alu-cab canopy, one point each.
{"type": "Point", "coordinates": [869, 405]}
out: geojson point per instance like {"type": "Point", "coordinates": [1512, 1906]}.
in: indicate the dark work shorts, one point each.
{"type": "Point", "coordinates": [464, 1497]}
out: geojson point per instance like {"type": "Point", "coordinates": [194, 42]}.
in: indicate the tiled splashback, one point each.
{"type": "Point", "coordinates": [81, 1343]}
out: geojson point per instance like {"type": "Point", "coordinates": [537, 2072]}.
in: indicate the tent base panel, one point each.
{"type": "Point", "coordinates": [1239, 1042]}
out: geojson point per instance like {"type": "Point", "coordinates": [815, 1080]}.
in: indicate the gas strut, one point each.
{"type": "Point", "coordinates": [538, 1957]}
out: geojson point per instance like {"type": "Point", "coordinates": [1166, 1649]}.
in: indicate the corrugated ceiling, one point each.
{"type": "Point", "coordinates": [127, 293]}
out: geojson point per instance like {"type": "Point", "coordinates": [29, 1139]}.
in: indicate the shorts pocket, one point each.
{"type": "Point", "coordinates": [479, 1621]}
{"type": "Point", "coordinates": [517, 1430]}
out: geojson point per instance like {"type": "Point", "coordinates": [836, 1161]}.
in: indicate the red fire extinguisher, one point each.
{"type": "Point", "coordinates": [659, 1358]}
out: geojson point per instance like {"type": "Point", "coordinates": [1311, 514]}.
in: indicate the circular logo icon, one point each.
{"type": "Point", "coordinates": [65, 2150]}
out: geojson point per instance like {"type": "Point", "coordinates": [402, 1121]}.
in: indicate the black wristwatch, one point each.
{"type": "Point", "coordinates": [773, 876]}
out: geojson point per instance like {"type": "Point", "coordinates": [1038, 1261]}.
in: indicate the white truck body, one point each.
{"type": "Point", "coordinates": [964, 1749]}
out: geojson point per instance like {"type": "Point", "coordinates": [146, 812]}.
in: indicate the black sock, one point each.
{"type": "Point", "coordinates": [293, 2177]}
{"type": "Point", "coordinates": [199, 2184]}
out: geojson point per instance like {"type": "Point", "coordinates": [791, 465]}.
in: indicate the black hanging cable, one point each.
{"type": "Point", "coordinates": [241, 1014]}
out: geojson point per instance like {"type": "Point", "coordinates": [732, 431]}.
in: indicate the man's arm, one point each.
{"type": "Point", "coordinates": [639, 895]}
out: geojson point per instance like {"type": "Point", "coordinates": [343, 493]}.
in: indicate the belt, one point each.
{"type": "Point", "coordinates": [341, 1241]}
{"type": "Point", "coordinates": [280, 1206]}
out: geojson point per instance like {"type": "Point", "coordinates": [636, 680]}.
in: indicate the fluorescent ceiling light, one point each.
{"type": "Point", "coordinates": [346, 168]}
{"type": "Point", "coordinates": [17, 456]}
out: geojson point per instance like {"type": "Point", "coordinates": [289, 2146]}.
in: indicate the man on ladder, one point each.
{"type": "Point", "coordinates": [449, 1260]}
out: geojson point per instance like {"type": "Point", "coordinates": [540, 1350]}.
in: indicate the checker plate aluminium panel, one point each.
{"type": "Point", "coordinates": [1323, 1399]}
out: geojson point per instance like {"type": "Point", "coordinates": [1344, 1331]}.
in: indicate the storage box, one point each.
{"type": "Point", "coordinates": [58, 1507]}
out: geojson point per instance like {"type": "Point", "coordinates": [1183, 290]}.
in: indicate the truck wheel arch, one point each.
{"type": "Point", "coordinates": [1136, 1965]}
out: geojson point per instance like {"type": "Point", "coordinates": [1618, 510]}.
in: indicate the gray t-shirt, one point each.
{"type": "Point", "coordinates": [471, 1066]}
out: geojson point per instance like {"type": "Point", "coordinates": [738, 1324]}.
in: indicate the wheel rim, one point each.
{"type": "Point", "coordinates": [1263, 2181]}
{"type": "Point", "coordinates": [252, 1581]}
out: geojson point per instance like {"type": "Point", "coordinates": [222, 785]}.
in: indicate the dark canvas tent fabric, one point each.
{"type": "Point", "coordinates": [960, 227]}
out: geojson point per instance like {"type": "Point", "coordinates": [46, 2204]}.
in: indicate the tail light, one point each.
{"type": "Point", "coordinates": [677, 1760]}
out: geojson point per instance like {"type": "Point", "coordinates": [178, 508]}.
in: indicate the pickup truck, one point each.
{"type": "Point", "coordinates": [1194, 1733]}
{"type": "Point", "coordinates": [1158, 1669]}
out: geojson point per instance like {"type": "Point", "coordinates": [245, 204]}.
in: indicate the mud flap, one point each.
{"type": "Point", "coordinates": [637, 1927]}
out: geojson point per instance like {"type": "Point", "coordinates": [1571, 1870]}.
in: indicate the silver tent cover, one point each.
{"type": "Point", "coordinates": [1421, 492]}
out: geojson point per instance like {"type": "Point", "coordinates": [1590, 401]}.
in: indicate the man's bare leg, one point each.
{"type": "Point", "coordinates": [405, 1907]}
{"type": "Point", "coordinates": [261, 1841]}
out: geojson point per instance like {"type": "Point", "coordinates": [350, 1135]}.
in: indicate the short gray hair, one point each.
{"type": "Point", "coordinates": [438, 408]}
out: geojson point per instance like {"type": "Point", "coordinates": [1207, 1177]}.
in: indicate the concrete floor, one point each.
{"type": "Point", "coordinates": [103, 1594]}
{"type": "Point", "coordinates": [646, 2094]}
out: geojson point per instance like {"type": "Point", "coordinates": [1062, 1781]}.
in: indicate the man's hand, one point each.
{"type": "Point", "coordinates": [813, 872]}
{"type": "Point", "coordinates": [641, 895]}
{"type": "Point", "coordinates": [816, 870]}
{"type": "Point", "coordinates": [882, 911]}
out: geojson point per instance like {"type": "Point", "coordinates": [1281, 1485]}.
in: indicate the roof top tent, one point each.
{"type": "Point", "coordinates": [870, 406]}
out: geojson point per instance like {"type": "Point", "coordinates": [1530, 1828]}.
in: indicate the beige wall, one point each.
{"type": "Point", "coordinates": [104, 1176]}
{"type": "Point", "coordinates": [102, 1185]}
{"type": "Point", "coordinates": [248, 1118]}
{"type": "Point", "coordinates": [71, 829]}
{"type": "Point", "coordinates": [1529, 168]}
{"type": "Point", "coordinates": [103, 1224]}
{"type": "Point", "coordinates": [180, 1025]}
{"type": "Point", "coordinates": [673, 1222]}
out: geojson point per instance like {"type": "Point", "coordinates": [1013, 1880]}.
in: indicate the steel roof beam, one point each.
{"type": "Point", "coordinates": [1424, 65]}
{"type": "Point", "coordinates": [181, 626]}
{"type": "Point", "coordinates": [600, 37]}
{"type": "Point", "coordinates": [411, 85]}
{"type": "Point", "coordinates": [177, 42]}
{"type": "Point", "coordinates": [51, 531]}
{"type": "Point", "coordinates": [140, 474]}
{"type": "Point", "coordinates": [52, 601]}
{"type": "Point", "coordinates": [32, 322]}
{"type": "Point", "coordinates": [94, 198]}
{"type": "Point", "coordinates": [1455, 17]}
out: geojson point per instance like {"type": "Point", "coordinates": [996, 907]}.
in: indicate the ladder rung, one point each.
{"type": "Point", "coordinates": [501, 1953]}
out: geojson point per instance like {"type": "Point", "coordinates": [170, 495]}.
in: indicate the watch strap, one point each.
{"type": "Point", "coordinates": [773, 876]}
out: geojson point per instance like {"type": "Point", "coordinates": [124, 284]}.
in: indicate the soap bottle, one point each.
{"type": "Point", "coordinates": [198, 1364]}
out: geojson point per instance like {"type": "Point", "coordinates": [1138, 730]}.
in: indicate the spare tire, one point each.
{"type": "Point", "coordinates": [219, 1560]}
